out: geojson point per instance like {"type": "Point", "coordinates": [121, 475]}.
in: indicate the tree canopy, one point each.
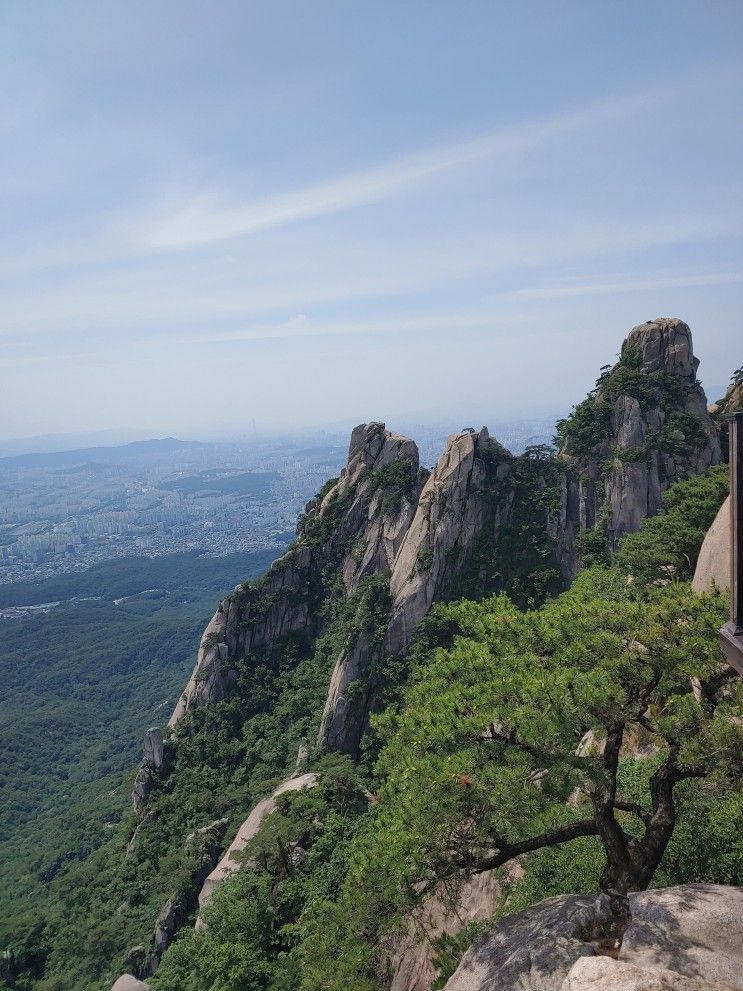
{"type": "Point", "coordinates": [583, 719]}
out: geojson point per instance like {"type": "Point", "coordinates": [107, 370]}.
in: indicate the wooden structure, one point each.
{"type": "Point", "coordinates": [731, 635]}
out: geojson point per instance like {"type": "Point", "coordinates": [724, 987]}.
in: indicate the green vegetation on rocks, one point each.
{"type": "Point", "coordinates": [490, 745]}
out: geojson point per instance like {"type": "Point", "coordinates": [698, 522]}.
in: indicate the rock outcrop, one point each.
{"type": "Point", "coordinates": [466, 499]}
{"type": "Point", "coordinates": [128, 983]}
{"type": "Point", "coordinates": [713, 563]}
{"type": "Point", "coordinates": [354, 528]}
{"type": "Point", "coordinates": [155, 761]}
{"type": "Point", "coordinates": [424, 539]}
{"type": "Point", "coordinates": [232, 860]}
{"type": "Point", "coordinates": [605, 974]}
{"type": "Point", "coordinates": [357, 523]}
{"type": "Point", "coordinates": [645, 427]}
{"type": "Point", "coordinates": [693, 931]}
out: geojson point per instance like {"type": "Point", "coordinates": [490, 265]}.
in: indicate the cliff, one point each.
{"type": "Point", "coordinates": [644, 427]}
{"type": "Point", "coordinates": [466, 498]}
{"type": "Point", "coordinates": [386, 540]}
{"type": "Point", "coordinates": [356, 525]}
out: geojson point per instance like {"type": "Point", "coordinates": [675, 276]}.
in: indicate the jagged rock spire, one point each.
{"type": "Point", "coordinates": [464, 500]}
{"type": "Point", "coordinates": [645, 427]}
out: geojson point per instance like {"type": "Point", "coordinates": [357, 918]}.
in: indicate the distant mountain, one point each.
{"type": "Point", "coordinates": [352, 750]}
{"type": "Point", "coordinates": [66, 441]}
{"type": "Point", "coordinates": [109, 455]}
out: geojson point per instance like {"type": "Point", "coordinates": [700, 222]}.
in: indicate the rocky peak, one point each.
{"type": "Point", "coordinates": [464, 500]}
{"type": "Point", "coordinates": [378, 489]}
{"type": "Point", "coordinates": [664, 345]}
{"type": "Point", "coordinates": [385, 541]}
{"type": "Point", "coordinates": [645, 426]}
{"type": "Point", "coordinates": [354, 527]}
{"type": "Point", "coordinates": [373, 447]}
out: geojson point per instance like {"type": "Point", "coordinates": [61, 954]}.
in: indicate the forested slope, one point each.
{"type": "Point", "coordinates": [451, 706]}
{"type": "Point", "coordinates": [80, 685]}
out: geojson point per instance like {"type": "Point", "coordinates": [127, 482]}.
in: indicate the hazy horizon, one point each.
{"type": "Point", "coordinates": [314, 215]}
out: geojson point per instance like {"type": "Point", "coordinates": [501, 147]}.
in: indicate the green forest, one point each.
{"type": "Point", "coordinates": [80, 686]}
{"type": "Point", "coordinates": [487, 697]}
{"type": "Point", "coordinates": [384, 834]}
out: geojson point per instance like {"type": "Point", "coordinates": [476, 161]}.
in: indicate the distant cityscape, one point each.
{"type": "Point", "coordinates": [66, 511]}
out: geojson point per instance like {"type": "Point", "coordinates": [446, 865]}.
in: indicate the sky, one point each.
{"type": "Point", "coordinates": [311, 214]}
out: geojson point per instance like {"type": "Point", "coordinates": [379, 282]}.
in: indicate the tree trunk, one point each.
{"type": "Point", "coordinates": [631, 863]}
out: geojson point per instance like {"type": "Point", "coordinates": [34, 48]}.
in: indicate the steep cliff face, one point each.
{"type": "Point", "coordinates": [645, 427]}
{"type": "Point", "coordinates": [352, 530]}
{"type": "Point", "coordinates": [385, 541]}
{"type": "Point", "coordinates": [466, 499]}
{"type": "Point", "coordinates": [360, 520]}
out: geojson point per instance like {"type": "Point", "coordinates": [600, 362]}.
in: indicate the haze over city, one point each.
{"type": "Point", "coordinates": [291, 216]}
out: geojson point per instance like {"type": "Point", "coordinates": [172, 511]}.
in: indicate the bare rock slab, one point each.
{"type": "Point", "coordinates": [605, 974]}
{"type": "Point", "coordinates": [693, 931]}
{"type": "Point", "coordinates": [128, 983]}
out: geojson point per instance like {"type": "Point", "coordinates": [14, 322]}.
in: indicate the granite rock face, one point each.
{"type": "Point", "coordinates": [231, 862]}
{"type": "Point", "coordinates": [429, 538]}
{"type": "Point", "coordinates": [355, 527]}
{"type": "Point", "coordinates": [155, 761]}
{"type": "Point", "coordinates": [605, 974]}
{"type": "Point", "coordinates": [466, 499]}
{"type": "Point", "coordinates": [713, 563]}
{"type": "Point", "coordinates": [695, 931]}
{"type": "Point", "coordinates": [128, 983]}
{"type": "Point", "coordinates": [532, 950]}
{"type": "Point", "coordinates": [366, 535]}
{"type": "Point", "coordinates": [651, 428]}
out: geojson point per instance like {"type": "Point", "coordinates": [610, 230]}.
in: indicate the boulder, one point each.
{"type": "Point", "coordinates": [605, 974]}
{"type": "Point", "coordinates": [713, 564]}
{"type": "Point", "coordinates": [532, 950]}
{"type": "Point", "coordinates": [128, 983]}
{"type": "Point", "coordinates": [694, 930]}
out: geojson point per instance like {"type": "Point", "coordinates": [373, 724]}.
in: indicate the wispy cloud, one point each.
{"type": "Point", "coordinates": [602, 287]}
{"type": "Point", "coordinates": [301, 326]}
{"type": "Point", "coordinates": [211, 217]}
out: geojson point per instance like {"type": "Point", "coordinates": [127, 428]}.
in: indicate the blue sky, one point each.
{"type": "Point", "coordinates": [313, 214]}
